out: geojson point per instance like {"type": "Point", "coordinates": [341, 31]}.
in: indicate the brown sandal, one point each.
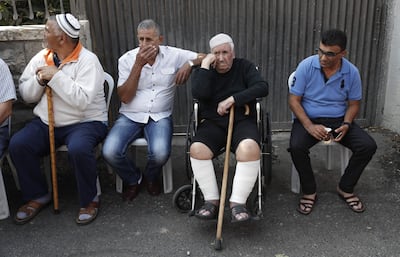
{"type": "Point", "coordinates": [31, 209]}
{"type": "Point", "coordinates": [91, 210]}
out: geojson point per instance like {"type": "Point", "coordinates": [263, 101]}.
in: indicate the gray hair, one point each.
{"type": "Point", "coordinates": [149, 24]}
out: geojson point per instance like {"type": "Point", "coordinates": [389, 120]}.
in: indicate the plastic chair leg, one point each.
{"type": "Point", "coordinates": [168, 177]}
{"type": "Point", "coordinates": [295, 181]}
{"type": "Point", "coordinates": [118, 184]}
{"type": "Point", "coordinates": [4, 210]}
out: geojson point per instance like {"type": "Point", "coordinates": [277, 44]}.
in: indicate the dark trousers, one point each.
{"type": "Point", "coordinates": [362, 145]}
{"type": "Point", "coordinates": [29, 145]}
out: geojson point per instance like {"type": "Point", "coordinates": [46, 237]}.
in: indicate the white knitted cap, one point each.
{"type": "Point", "coordinates": [69, 24]}
{"type": "Point", "coordinates": [220, 39]}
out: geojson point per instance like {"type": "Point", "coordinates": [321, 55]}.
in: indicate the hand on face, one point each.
{"type": "Point", "coordinates": [147, 54]}
{"type": "Point", "coordinates": [208, 61]}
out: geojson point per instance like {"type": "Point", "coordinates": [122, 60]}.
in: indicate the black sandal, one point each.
{"type": "Point", "coordinates": [353, 202]}
{"type": "Point", "coordinates": [207, 207]}
{"type": "Point", "coordinates": [239, 209]}
{"type": "Point", "coordinates": [306, 205]}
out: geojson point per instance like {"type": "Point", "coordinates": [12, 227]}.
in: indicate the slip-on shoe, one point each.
{"type": "Point", "coordinates": [154, 188]}
{"type": "Point", "coordinates": [131, 192]}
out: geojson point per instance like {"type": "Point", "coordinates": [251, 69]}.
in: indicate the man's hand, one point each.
{"type": "Point", "coordinates": [146, 54]}
{"type": "Point", "coordinates": [340, 132]}
{"type": "Point", "coordinates": [224, 106]}
{"type": "Point", "coordinates": [45, 73]}
{"type": "Point", "coordinates": [183, 74]}
{"type": "Point", "coordinates": [318, 131]}
{"type": "Point", "coordinates": [208, 61]}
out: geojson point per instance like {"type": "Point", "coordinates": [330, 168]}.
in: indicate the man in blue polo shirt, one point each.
{"type": "Point", "coordinates": [326, 93]}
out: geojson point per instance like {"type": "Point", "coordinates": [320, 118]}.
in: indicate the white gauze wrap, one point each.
{"type": "Point", "coordinates": [204, 174]}
{"type": "Point", "coordinates": [243, 181]}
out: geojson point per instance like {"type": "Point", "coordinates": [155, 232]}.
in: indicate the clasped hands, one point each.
{"type": "Point", "coordinates": [321, 132]}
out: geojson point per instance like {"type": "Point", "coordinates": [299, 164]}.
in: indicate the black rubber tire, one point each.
{"type": "Point", "coordinates": [182, 198]}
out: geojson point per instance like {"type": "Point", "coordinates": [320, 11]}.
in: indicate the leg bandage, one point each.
{"type": "Point", "coordinates": [243, 181]}
{"type": "Point", "coordinates": [204, 174]}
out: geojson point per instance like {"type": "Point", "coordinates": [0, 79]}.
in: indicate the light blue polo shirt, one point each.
{"type": "Point", "coordinates": [326, 99]}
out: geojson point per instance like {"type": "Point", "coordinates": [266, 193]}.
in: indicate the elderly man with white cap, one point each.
{"type": "Point", "coordinates": [76, 78]}
{"type": "Point", "coordinates": [221, 82]}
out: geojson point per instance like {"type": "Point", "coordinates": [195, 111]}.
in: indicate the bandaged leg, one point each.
{"type": "Point", "coordinates": [204, 174]}
{"type": "Point", "coordinates": [243, 181]}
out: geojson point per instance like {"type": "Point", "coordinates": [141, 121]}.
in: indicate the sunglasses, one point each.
{"type": "Point", "coordinates": [321, 52]}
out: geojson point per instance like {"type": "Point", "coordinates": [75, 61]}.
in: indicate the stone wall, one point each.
{"type": "Point", "coordinates": [18, 44]}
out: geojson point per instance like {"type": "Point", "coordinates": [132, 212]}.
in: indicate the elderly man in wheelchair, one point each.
{"type": "Point", "coordinates": [222, 82]}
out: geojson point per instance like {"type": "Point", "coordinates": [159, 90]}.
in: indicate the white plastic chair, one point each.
{"type": "Point", "coordinates": [344, 154]}
{"type": "Point", "coordinates": [167, 170]}
{"type": "Point", "coordinates": [4, 210]}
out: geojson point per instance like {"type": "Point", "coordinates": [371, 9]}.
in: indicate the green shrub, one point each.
{"type": "Point", "coordinates": [24, 16]}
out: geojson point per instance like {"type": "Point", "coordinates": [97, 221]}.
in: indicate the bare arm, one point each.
{"type": "Point", "coordinates": [316, 130]}
{"type": "Point", "coordinates": [184, 72]}
{"type": "Point", "coordinates": [127, 91]}
{"type": "Point", "coordinates": [5, 110]}
{"type": "Point", "coordinates": [353, 107]}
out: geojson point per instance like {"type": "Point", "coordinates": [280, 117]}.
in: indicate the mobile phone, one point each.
{"type": "Point", "coordinates": [336, 135]}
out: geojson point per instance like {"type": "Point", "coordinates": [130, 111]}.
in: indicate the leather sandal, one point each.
{"type": "Point", "coordinates": [31, 209]}
{"type": "Point", "coordinates": [209, 207]}
{"type": "Point", "coordinates": [353, 202]}
{"type": "Point", "coordinates": [306, 205]}
{"type": "Point", "coordinates": [239, 209]}
{"type": "Point", "coordinates": [90, 211]}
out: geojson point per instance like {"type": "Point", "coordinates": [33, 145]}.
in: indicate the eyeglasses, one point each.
{"type": "Point", "coordinates": [321, 52]}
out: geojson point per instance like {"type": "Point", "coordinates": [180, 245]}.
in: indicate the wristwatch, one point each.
{"type": "Point", "coordinates": [191, 63]}
{"type": "Point", "coordinates": [347, 123]}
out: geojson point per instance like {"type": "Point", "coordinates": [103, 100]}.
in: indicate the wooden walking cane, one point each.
{"type": "Point", "coordinates": [50, 112]}
{"type": "Point", "coordinates": [218, 238]}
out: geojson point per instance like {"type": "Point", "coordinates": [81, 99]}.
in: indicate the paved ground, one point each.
{"type": "Point", "coordinates": [151, 226]}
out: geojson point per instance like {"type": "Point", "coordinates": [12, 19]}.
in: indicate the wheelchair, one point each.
{"type": "Point", "coordinates": [188, 198]}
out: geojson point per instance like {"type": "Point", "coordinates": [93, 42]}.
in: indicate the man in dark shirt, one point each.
{"type": "Point", "coordinates": [221, 82]}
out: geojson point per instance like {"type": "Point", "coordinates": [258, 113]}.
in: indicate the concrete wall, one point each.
{"type": "Point", "coordinates": [391, 110]}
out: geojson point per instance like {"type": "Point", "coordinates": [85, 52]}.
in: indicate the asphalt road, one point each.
{"type": "Point", "coordinates": [151, 226]}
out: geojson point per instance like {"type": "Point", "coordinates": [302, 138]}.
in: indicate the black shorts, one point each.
{"type": "Point", "coordinates": [214, 133]}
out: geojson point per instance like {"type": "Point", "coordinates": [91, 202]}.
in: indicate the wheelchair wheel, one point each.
{"type": "Point", "coordinates": [182, 199]}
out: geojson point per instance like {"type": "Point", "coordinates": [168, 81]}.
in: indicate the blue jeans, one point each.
{"type": "Point", "coordinates": [158, 135]}
{"type": "Point", "coordinates": [29, 145]}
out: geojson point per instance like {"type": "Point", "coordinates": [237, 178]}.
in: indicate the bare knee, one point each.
{"type": "Point", "coordinates": [200, 151]}
{"type": "Point", "coordinates": [248, 150]}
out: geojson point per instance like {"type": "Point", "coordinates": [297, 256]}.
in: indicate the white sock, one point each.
{"type": "Point", "coordinates": [243, 181]}
{"type": "Point", "coordinates": [42, 200]}
{"type": "Point", "coordinates": [204, 174]}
